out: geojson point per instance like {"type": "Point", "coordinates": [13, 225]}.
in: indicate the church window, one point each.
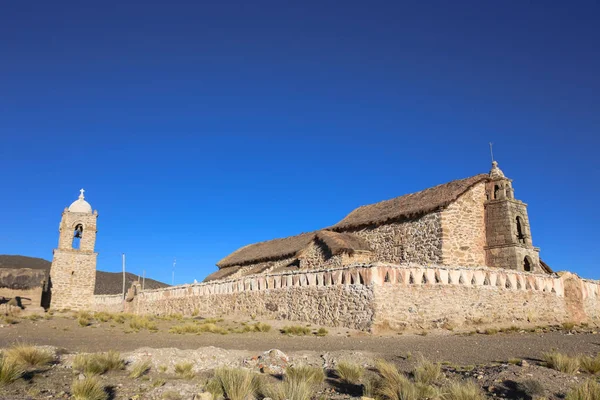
{"type": "Point", "coordinates": [496, 191]}
{"type": "Point", "coordinates": [520, 234]}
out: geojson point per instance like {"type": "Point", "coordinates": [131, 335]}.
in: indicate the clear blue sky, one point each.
{"type": "Point", "coordinates": [198, 127]}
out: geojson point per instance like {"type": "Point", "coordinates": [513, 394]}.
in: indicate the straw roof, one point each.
{"type": "Point", "coordinates": [222, 274]}
{"type": "Point", "coordinates": [262, 251]}
{"type": "Point", "coordinates": [409, 205]}
{"type": "Point", "coordinates": [290, 246]}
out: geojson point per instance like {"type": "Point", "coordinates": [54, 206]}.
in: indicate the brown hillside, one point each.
{"type": "Point", "coordinates": [106, 282]}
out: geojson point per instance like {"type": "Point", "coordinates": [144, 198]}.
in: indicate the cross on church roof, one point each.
{"type": "Point", "coordinates": [81, 194]}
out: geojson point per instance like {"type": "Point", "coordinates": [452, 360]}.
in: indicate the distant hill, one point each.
{"type": "Point", "coordinates": [106, 282]}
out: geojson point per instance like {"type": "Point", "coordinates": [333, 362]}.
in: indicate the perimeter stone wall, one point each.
{"type": "Point", "coordinates": [384, 296]}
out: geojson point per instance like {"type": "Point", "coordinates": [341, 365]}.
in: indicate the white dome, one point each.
{"type": "Point", "coordinates": [80, 205]}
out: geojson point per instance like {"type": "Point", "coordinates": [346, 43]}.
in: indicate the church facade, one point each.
{"type": "Point", "coordinates": [471, 222]}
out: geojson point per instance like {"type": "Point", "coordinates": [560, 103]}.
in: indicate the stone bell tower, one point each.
{"type": "Point", "coordinates": [508, 234]}
{"type": "Point", "coordinates": [73, 270]}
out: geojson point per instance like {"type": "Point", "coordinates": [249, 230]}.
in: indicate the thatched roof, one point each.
{"type": "Point", "coordinates": [409, 205]}
{"type": "Point", "coordinates": [342, 242]}
{"type": "Point", "coordinates": [222, 274]}
{"type": "Point", "coordinates": [290, 246]}
{"type": "Point", "coordinates": [262, 251]}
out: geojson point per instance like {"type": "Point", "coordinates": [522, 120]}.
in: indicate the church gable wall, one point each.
{"type": "Point", "coordinates": [317, 255]}
{"type": "Point", "coordinates": [413, 241]}
{"type": "Point", "coordinates": [463, 227]}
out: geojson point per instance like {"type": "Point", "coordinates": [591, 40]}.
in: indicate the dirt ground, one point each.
{"type": "Point", "coordinates": [493, 360]}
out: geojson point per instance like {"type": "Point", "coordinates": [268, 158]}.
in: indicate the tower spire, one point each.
{"type": "Point", "coordinates": [81, 191]}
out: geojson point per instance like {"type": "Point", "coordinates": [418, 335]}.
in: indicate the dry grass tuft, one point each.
{"type": "Point", "coordinates": [349, 373]}
{"type": "Point", "coordinates": [185, 370]}
{"type": "Point", "coordinates": [589, 390]}
{"type": "Point", "coordinates": [590, 364]}
{"type": "Point", "coordinates": [290, 390]}
{"type": "Point", "coordinates": [561, 362]}
{"type": "Point", "coordinates": [10, 371]}
{"type": "Point", "coordinates": [568, 325]}
{"type": "Point", "coordinates": [140, 368]}
{"type": "Point", "coordinates": [305, 373]}
{"type": "Point", "coordinates": [296, 330]}
{"type": "Point", "coordinates": [237, 383]}
{"type": "Point", "coordinates": [198, 329]}
{"type": "Point", "coordinates": [98, 363]}
{"type": "Point", "coordinates": [463, 391]}
{"type": "Point", "coordinates": [103, 316]}
{"type": "Point", "coordinates": [88, 389]}
{"type": "Point", "coordinates": [322, 332]}
{"type": "Point", "coordinates": [394, 385]}
{"type": "Point", "coordinates": [29, 356]}
{"type": "Point", "coordinates": [427, 372]}
{"type": "Point", "coordinates": [142, 322]}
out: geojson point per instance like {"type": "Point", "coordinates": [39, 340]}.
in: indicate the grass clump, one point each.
{"type": "Point", "coordinates": [532, 388]}
{"type": "Point", "coordinates": [561, 362]}
{"type": "Point", "coordinates": [312, 375]}
{"type": "Point", "coordinates": [296, 330]}
{"type": "Point", "coordinates": [88, 389]}
{"type": "Point", "coordinates": [140, 368]}
{"type": "Point", "coordinates": [185, 370]}
{"type": "Point", "coordinates": [322, 332]}
{"type": "Point", "coordinates": [463, 391]}
{"type": "Point", "coordinates": [102, 316]}
{"type": "Point", "coordinates": [590, 364]}
{"type": "Point", "coordinates": [98, 363]}
{"type": "Point", "coordinates": [394, 385]}
{"type": "Point", "coordinates": [198, 329]}
{"type": "Point", "coordinates": [427, 372]}
{"type": "Point", "coordinates": [349, 373]}
{"type": "Point", "coordinates": [299, 383]}
{"type": "Point", "coordinates": [142, 322]}
{"type": "Point", "coordinates": [10, 371]}
{"type": "Point", "coordinates": [589, 390]}
{"type": "Point", "coordinates": [568, 325]}
{"type": "Point", "coordinates": [514, 361]}
{"type": "Point", "coordinates": [29, 356]}
{"type": "Point", "coordinates": [84, 320]}
{"type": "Point", "coordinates": [237, 383]}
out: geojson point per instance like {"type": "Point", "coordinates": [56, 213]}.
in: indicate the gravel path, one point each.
{"type": "Point", "coordinates": [461, 349]}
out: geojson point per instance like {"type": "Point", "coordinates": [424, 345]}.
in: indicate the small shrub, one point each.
{"type": "Point", "coordinates": [34, 317]}
{"type": "Point", "coordinates": [296, 330]}
{"type": "Point", "coordinates": [427, 372]}
{"type": "Point", "coordinates": [589, 390]}
{"type": "Point", "coordinates": [98, 363]}
{"type": "Point", "coordinates": [88, 389]}
{"type": "Point", "coordinates": [29, 356]}
{"type": "Point", "coordinates": [349, 373]}
{"type": "Point", "coordinates": [568, 325]}
{"type": "Point", "coordinates": [561, 362]}
{"type": "Point", "coordinates": [463, 391]}
{"type": "Point", "coordinates": [119, 318]}
{"type": "Point", "coordinates": [237, 383]}
{"type": "Point", "coordinates": [84, 321]}
{"type": "Point", "coordinates": [171, 395]}
{"type": "Point", "coordinates": [590, 364]}
{"type": "Point", "coordinates": [139, 368]}
{"type": "Point", "coordinates": [185, 370]}
{"type": "Point", "coordinates": [305, 373]}
{"type": "Point", "coordinates": [10, 371]}
{"type": "Point", "coordinates": [490, 331]}
{"type": "Point", "coordinates": [261, 327]}
{"type": "Point", "coordinates": [322, 332]}
{"type": "Point", "coordinates": [531, 387]}
{"type": "Point", "coordinates": [10, 320]}
{"type": "Point", "coordinates": [514, 361]}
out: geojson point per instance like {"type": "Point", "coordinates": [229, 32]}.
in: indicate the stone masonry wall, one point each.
{"type": "Point", "coordinates": [317, 256]}
{"type": "Point", "coordinates": [387, 296]}
{"type": "Point", "coordinates": [463, 227]}
{"type": "Point", "coordinates": [414, 241]}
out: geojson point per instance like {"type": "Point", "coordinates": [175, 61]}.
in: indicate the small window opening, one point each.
{"type": "Point", "coordinates": [520, 234]}
{"type": "Point", "coordinates": [527, 264]}
{"type": "Point", "coordinates": [77, 235]}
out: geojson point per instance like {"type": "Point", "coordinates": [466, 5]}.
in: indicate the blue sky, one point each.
{"type": "Point", "coordinates": [199, 127]}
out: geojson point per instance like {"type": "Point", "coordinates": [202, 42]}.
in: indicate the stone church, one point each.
{"type": "Point", "coordinates": [471, 222]}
